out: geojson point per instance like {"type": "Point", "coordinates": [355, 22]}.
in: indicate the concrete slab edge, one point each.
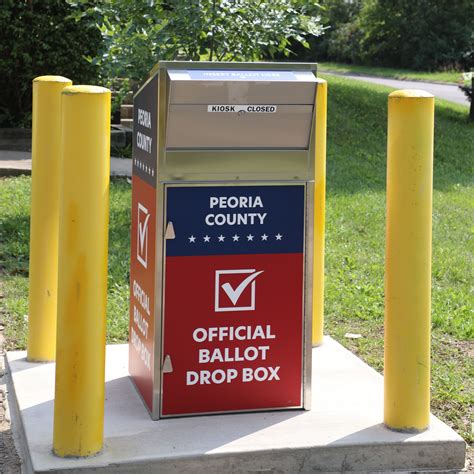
{"type": "Point", "coordinates": [307, 460]}
{"type": "Point", "coordinates": [19, 434]}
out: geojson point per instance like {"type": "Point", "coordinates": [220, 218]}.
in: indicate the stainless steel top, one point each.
{"type": "Point", "coordinates": [196, 142]}
{"type": "Point", "coordinates": [239, 108]}
{"type": "Point", "coordinates": [277, 66]}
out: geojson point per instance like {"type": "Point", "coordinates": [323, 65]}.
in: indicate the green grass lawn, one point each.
{"type": "Point", "coordinates": [355, 243]}
{"type": "Point", "coordinates": [454, 77]}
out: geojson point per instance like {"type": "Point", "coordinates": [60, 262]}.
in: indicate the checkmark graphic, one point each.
{"type": "Point", "coordinates": [142, 240]}
{"type": "Point", "coordinates": [142, 228]}
{"type": "Point", "coordinates": [234, 295]}
{"type": "Point", "coordinates": [234, 292]}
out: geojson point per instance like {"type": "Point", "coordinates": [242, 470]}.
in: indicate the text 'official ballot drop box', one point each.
{"type": "Point", "coordinates": [221, 243]}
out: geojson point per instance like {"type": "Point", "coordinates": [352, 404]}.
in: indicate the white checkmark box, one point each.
{"type": "Point", "coordinates": [142, 234]}
{"type": "Point", "coordinates": [234, 293]}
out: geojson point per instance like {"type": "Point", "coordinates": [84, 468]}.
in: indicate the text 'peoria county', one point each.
{"type": "Point", "coordinates": [235, 218]}
{"type": "Point", "coordinates": [143, 141]}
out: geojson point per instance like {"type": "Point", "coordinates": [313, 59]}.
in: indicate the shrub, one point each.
{"type": "Point", "coordinates": [424, 35]}
{"type": "Point", "coordinates": [342, 36]}
{"type": "Point", "coordinates": [417, 34]}
{"type": "Point", "coordinates": [38, 37]}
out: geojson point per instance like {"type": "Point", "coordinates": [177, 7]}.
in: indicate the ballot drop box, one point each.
{"type": "Point", "coordinates": [221, 239]}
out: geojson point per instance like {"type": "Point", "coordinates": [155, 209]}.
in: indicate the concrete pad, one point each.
{"type": "Point", "coordinates": [343, 432]}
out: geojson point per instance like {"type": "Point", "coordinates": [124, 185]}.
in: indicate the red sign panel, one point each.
{"type": "Point", "coordinates": [142, 287]}
{"type": "Point", "coordinates": [233, 319]}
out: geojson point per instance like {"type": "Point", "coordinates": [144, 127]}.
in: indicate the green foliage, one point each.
{"type": "Point", "coordinates": [415, 34]}
{"type": "Point", "coordinates": [38, 37]}
{"type": "Point", "coordinates": [14, 255]}
{"type": "Point", "coordinates": [420, 34]}
{"type": "Point", "coordinates": [137, 34]}
{"type": "Point", "coordinates": [341, 39]}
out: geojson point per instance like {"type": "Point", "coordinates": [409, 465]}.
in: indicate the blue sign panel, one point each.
{"type": "Point", "coordinates": [231, 220]}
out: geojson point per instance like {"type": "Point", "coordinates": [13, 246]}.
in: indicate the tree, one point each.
{"type": "Point", "coordinates": [342, 36]}
{"type": "Point", "coordinates": [137, 34]}
{"type": "Point", "coordinates": [38, 37]}
{"type": "Point", "coordinates": [417, 34]}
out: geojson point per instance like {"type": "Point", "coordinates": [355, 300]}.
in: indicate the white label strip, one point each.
{"type": "Point", "coordinates": [250, 109]}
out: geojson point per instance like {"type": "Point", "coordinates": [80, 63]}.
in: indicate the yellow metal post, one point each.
{"type": "Point", "coordinates": [43, 274]}
{"type": "Point", "coordinates": [408, 260]}
{"type": "Point", "coordinates": [319, 212]}
{"type": "Point", "coordinates": [82, 287]}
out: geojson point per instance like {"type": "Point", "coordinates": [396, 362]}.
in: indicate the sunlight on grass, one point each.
{"type": "Point", "coordinates": [453, 77]}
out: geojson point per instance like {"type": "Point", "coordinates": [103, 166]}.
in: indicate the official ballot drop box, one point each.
{"type": "Point", "coordinates": [221, 240]}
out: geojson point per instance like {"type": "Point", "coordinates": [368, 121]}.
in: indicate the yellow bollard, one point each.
{"type": "Point", "coordinates": [319, 212]}
{"type": "Point", "coordinates": [43, 275]}
{"type": "Point", "coordinates": [82, 287]}
{"type": "Point", "coordinates": [408, 260]}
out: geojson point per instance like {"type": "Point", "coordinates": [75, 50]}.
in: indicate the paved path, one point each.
{"type": "Point", "coordinates": [14, 163]}
{"type": "Point", "coordinates": [442, 91]}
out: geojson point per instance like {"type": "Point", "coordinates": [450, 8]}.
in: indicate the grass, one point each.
{"type": "Point", "coordinates": [356, 167]}
{"type": "Point", "coordinates": [14, 242]}
{"type": "Point", "coordinates": [454, 77]}
{"type": "Point", "coordinates": [355, 243]}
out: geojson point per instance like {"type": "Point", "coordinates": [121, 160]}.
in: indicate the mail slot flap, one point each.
{"type": "Point", "coordinates": [197, 126]}
{"type": "Point", "coordinates": [241, 87]}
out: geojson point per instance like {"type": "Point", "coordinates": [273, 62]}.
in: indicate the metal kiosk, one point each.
{"type": "Point", "coordinates": [221, 243]}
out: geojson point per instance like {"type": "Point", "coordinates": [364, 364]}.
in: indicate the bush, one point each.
{"type": "Point", "coordinates": [342, 36]}
{"type": "Point", "coordinates": [38, 37]}
{"type": "Point", "coordinates": [426, 35]}
{"type": "Point", "coordinates": [417, 34]}
{"type": "Point", "coordinates": [344, 43]}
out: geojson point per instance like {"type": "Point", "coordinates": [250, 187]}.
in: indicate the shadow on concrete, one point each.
{"type": "Point", "coordinates": [371, 434]}
{"type": "Point", "coordinates": [404, 454]}
{"type": "Point", "coordinates": [23, 364]}
{"type": "Point", "coordinates": [130, 435]}
{"type": "Point", "coordinates": [125, 410]}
